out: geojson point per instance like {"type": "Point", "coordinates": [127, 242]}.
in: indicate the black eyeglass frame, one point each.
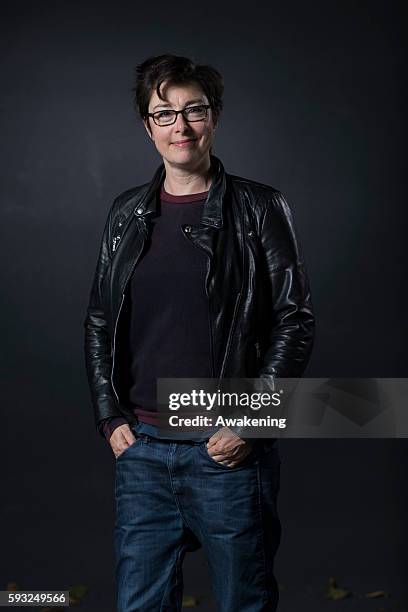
{"type": "Point", "coordinates": [206, 106]}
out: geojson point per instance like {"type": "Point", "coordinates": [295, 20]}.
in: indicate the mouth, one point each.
{"type": "Point", "coordinates": [184, 143]}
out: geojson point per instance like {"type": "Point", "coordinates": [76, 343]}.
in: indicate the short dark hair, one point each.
{"type": "Point", "coordinates": [177, 70]}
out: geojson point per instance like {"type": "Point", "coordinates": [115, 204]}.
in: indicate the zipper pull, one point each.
{"type": "Point", "coordinates": [258, 350]}
{"type": "Point", "coordinates": [115, 242]}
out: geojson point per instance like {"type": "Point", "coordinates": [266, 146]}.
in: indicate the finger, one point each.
{"type": "Point", "coordinates": [216, 450]}
{"type": "Point", "coordinates": [125, 431]}
{"type": "Point", "coordinates": [237, 458]}
{"type": "Point", "coordinates": [228, 448]}
{"type": "Point", "coordinates": [220, 458]}
{"type": "Point", "coordinates": [213, 440]}
{"type": "Point", "coordinates": [222, 434]}
{"type": "Point", "coordinates": [121, 442]}
{"type": "Point", "coordinates": [223, 448]}
{"type": "Point", "coordinates": [129, 437]}
{"type": "Point", "coordinates": [238, 450]}
{"type": "Point", "coordinates": [118, 432]}
{"type": "Point", "coordinates": [235, 462]}
{"type": "Point", "coordinates": [126, 445]}
{"type": "Point", "coordinates": [225, 462]}
{"type": "Point", "coordinates": [119, 450]}
{"type": "Point", "coordinates": [223, 457]}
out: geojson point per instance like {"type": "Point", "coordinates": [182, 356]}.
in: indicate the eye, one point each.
{"type": "Point", "coordinates": [194, 110]}
{"type": "Point", "coordinates": [163, 114]}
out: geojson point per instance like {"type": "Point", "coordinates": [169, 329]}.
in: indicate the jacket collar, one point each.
{"type": "Point", "coordinates": [212, 213]}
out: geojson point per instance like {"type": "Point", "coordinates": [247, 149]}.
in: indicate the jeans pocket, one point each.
{"type": "Point", "coordinates": [128, 448]}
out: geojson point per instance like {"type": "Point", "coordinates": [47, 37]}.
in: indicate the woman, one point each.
{"type": "Point", "coordinates": [199, 275]}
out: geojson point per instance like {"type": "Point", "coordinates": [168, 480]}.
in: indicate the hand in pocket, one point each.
{"type": "Point", "coordinates": [121, 438]}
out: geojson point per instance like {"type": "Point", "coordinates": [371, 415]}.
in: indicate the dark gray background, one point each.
{"type": "Point", "coordinates": [314, 106]}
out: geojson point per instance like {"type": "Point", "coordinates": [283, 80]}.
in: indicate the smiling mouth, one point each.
{"type": "Point", "coordinates": [180, 143]}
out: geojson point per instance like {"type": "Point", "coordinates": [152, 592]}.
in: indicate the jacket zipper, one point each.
{"type": "Point", "coordinates": [209, 315]}
{"type": "Point", "coordinates": [114, 346]}
{"type": "Point", "coordinates": [236, 308]}
{"type": "Point", "coordinates": [230, 336]}
{"type": "Point", "coordinates": [119, 311]}
{"type": "Point", "coordinates": [234, 319]}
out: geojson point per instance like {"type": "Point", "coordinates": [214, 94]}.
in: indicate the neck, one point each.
{"type": "Point", "coordinates": [181, 181]}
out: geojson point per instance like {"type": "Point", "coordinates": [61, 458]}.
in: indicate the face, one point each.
{"type": "Point", "coordinates": [197, 136]}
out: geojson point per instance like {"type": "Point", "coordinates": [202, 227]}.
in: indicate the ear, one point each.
{"type": "Point", "coordinates": [146, 123]}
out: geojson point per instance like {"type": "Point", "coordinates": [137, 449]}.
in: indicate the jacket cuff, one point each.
{"type": "Point", "coordinates": [107, 426]}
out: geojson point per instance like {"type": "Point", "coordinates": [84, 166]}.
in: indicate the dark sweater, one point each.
{"type": "Point", "coordinates": [168, 335]}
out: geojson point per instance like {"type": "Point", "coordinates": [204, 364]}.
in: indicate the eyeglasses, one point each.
{"type": "Point", "coordinates": [190, 114]}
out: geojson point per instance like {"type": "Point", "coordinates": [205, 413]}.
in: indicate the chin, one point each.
{"type": "Point", "coordinates": [185, 156]}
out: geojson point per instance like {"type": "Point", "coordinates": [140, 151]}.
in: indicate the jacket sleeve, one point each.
{"type": "Point", "coordinates": [291, 335]}
{"type": "Point", "coordinates": [98, 350]}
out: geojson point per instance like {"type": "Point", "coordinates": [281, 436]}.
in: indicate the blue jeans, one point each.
{"type": "Point", "coordinates": [171, 498]}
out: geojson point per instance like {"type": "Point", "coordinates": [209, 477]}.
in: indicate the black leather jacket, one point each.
{"type": "Point", "coordinates": [259, 304]}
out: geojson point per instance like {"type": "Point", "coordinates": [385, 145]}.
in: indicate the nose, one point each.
{"type": "Point", "coordinates": [181, 124]}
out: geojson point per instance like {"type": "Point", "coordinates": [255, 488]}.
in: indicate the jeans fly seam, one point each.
{"type": "Point", "coordinates": [176, 499]}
